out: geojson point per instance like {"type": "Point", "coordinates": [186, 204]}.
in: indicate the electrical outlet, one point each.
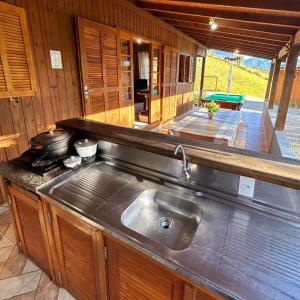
{"type": "Point", "coordinates": [246, 186]}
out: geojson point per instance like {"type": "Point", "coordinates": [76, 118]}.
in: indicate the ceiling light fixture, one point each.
{"type": "Point", "coordinates": [213, 24]}
{"type": "Point", "coordinates": [139, 41]}
{"type": "Point", "coordinates": [237, 51]}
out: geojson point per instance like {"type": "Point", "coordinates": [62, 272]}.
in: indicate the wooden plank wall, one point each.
{"type": "Point", "coordinates": [52, 26]}
{"type": "Point", "coordinates": [295, 98]}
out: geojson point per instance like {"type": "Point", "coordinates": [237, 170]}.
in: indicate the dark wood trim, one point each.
{"type": "Point", "coordinates": [270, 78]}
{"type": "Point", "coordinates": [262, 166]}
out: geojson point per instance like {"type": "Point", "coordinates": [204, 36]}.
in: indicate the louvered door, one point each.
{"type": "Point", "coordinates": [132, 276]}
{"type": "Point", "coordinates": [100, 70]}
{"type": "Point", "coordinates": [30, 225]}
{"type": "Point", "coordinates": [169, 90]}
{"type": "Point", "coordinates": [80, 253]}
{"type": "Point", "coordinates": [17, 75]}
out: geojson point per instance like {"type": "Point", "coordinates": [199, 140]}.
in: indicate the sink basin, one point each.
{"type": "Point", "coordinates": [164, 218]}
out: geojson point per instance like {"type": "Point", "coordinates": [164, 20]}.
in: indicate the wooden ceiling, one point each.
{"type": "Point", "coordinates": [255, 27]}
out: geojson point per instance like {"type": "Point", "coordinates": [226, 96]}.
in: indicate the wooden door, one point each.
{"type": "Point", "coordinates": [99, 50]}
{"type": "Point", "coordinates": [133, 276]}
{"type": "Point", "coordinates": [155, 83]}
{"type": "Point", "coordinates": [31, 227]}
{"type": "Point", "coordinates": [169, 85]}
{"type": "Point", "coordinates": [127, 79]}
{"type": "Point", "coordinates": [80, 253]}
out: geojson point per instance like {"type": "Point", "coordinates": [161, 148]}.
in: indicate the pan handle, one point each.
{"type": "Point", "coordinates": [36, 162]}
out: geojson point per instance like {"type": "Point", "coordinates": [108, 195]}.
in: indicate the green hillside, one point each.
{"type": "Point", "coordinates": [246, 80]}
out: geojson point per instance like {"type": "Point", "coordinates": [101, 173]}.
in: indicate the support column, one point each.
{"type": "Point", "coordinates": [274, 83]}
{"type": "Point", "coordinates": [202, 76]}
{"type": "Point", "coordinates": [270, 79]}
{"type": "Point", "coordinates": [287, 88]}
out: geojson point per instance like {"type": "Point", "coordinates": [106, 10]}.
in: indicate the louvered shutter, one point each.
{"type": "Point", "coordinates": [17, 76]}
{"type": "Point", "coordinates": [99, 57]}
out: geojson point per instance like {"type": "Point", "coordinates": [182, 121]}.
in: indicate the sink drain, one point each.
{"type": "Point", "coordinates": [166, 223]}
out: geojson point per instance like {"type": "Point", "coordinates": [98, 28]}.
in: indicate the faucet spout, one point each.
{"type": "Point", "coordinates": [185, 165]}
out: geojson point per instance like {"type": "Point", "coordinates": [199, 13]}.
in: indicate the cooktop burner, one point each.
{"type": "Point", "coordinates": [43, 167]}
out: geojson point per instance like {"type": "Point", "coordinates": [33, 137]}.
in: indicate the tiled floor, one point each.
{"type": "Point", "coordinates": [20, 279]}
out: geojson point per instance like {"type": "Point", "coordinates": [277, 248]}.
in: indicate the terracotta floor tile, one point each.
{"type": "Point", "coordinates": [5, 253]}
{"type": "Point", "coordinates": [14, 265]}
{"type": "Point", "coordinates": [10, 233]}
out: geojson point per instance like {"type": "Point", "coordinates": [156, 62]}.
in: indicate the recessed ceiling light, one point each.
{"type": "Point", "coordinates": [237, 51]}
{"type": "Point", "coordinates": [139, 41]}
{"type": "Point", "coordinates": [213, 24]}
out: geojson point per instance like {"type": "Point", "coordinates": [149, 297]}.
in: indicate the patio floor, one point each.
{"type": "Point", "coordinates": [292, 127]}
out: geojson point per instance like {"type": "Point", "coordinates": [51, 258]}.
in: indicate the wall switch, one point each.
{"type": "Point", "coordinates": [246, 186]}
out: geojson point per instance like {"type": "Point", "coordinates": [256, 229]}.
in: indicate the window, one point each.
{"type": "Point", "coordinates": [17, 76]}
{"type": "Point", "coordinates": [186, 68]}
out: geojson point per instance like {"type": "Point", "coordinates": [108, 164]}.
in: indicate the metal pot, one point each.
{"type": "Point", "coordinates": [51, 144]}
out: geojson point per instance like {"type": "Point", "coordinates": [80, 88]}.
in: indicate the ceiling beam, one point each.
{"type": "Point", "coordinates": [236, 44]}
{"type": "Point", "coordinates": [278, 38]}
{"type": "Point", "coordinates": [286, 5]}
{"type": "Point", "coordinates": [233, 37]}
{"type": "Point", "coordinates": [258, 16]}
{"type": "Point", "coordinates": [269, 29]}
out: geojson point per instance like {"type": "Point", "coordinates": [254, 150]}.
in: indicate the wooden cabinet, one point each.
{"type": "Point", "coordinates": [30, 226]}
{"type": "Point", "coordinates": [80, 255]}
{"type": "Point", "coordinates": [192, 293]}
{"type": "Point", "coordinates": [134, 276]}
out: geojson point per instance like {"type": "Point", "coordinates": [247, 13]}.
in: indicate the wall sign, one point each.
{"type": "Point", "coordinates": [56, 61]}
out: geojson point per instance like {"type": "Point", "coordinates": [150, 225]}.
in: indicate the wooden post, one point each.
{"type": "Point", "coordinates": [290, 74]}
{"type": "Point", "coordinates": [202, 76]}
{"type": "Point", "coordinates": [274, 83]}
{"type": "Point", "coordinates": [267, 97]}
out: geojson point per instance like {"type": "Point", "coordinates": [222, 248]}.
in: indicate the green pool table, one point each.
{"type": "Point", "coordinates": [229, 101]}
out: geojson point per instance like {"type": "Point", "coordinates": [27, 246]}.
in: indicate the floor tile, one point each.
{"type": "Point", "coordinates": [5, 253]}
{"type": "Point", "coordinates": [3, 209]}
{"type": "Point", "coordinates": [64, 295]}
{"type": "Point", "coordinates": [5, 242]}
{"type": "Point", "coordinates": [26, 296]}
{"type": "Point", "coordinates": [10, 233]}
{"type": "Point", "coordinates": [14, 265]}
{"type": "Point", "coordinates": [46, 290]}
{"type": "Point", "coordinates": [30, 267]}
{"type": "Point", "coordinates": [18, 285]}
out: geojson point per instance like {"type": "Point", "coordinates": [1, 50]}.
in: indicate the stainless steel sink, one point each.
{"type": "Point", "coordinates": [164, 218]}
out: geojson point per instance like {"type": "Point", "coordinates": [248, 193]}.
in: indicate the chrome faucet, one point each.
{"type": "Point", "coordinates": [185, 165]}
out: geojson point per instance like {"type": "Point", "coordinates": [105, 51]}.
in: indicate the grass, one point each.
{"type": "Point", "coordinates": [246, 80]}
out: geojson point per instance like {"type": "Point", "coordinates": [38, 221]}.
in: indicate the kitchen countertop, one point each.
{"type": "Point", "coordinates": [237, 251]}
{"type": "Point", "coordinates": [27, 179]}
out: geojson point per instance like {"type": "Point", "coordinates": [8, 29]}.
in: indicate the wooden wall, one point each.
{"type": "Point", "coordinates": [52, 26]}
{"type": "Point", "coordinates": [295, 99]}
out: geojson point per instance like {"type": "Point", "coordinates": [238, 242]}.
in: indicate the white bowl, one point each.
{"type": "Point", "coordinates": [72, 162]}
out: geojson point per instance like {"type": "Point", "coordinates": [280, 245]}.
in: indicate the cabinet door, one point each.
{"type": "Point", "coordinates": [133, 276]}
{"type": "Point", "coordinates": [192, 293]}
{"type": "Point", "coordinates": [80, 253]}
{"type": "Point", "coordinates": [30, 226]}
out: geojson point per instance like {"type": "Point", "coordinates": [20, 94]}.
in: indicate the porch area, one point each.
{"type": "Point", "coordinates": [241, 129]}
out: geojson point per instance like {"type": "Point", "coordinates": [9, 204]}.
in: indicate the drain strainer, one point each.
{"type": "Point", "coordinates": [166, 223]}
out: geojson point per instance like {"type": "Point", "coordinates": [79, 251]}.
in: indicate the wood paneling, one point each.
{"type": "Point", "coordinates": [52, 27]}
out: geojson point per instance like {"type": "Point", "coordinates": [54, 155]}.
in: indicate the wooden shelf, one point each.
{"type": "Point", "coordinates": [261, 166]}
